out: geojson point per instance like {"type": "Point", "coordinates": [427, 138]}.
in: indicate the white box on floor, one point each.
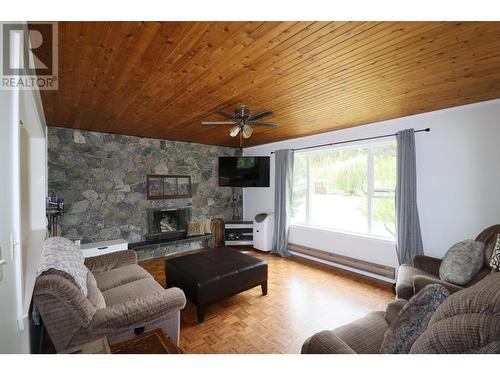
{"type": "Point", "coordinates": [99, 248]}
{"type": "Point", "coordinates": [263, 231]}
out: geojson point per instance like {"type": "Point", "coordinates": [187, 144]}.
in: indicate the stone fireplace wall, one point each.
{"type": "Point", "coordinates": [102, 178]}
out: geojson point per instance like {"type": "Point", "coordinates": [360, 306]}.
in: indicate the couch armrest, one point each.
{"type": "Point", "coordinates": [109, 261]}
{"type": "Point", "coordinates": [53, 294]}
{"type": "Point", "coordinates": [420, 281]}
{"type": "Point", "coordinates": [140, 311]}
{"type": "Point", "coordinates": [325, 342]}
{"type": "Point", "coordinates": [428, 264]}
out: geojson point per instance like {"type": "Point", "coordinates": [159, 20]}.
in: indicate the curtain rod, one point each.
{"type": "Point", "coordinates": [354, 140]}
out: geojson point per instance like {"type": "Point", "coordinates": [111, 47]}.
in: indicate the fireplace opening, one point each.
{"type": "Point", "coordinates": [168, 223]}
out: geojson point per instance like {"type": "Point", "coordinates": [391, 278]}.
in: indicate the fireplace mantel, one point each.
{"type": "Point", "coordinates": [160, 249]}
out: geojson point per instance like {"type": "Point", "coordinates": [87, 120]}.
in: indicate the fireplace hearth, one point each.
{"type": "Point", "coordinates": [167, 224]}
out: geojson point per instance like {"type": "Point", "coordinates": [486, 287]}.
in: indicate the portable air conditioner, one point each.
{"type": "Point", "coordinates": [263, 231]}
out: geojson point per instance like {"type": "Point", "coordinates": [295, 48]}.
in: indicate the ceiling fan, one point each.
{"type": "Point", "coordinates": [243, 122]}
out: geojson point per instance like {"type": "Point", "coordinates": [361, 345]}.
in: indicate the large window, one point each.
{"type": "Point", "coordinates": [349, 189]}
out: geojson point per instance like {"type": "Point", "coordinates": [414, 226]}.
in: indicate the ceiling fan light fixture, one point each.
{"type": "Point", "coordinates": [247, 131]}
{"type": "Point", "coordinates": [242, 122]}
{"type": "Point", "coordinates": [234, 131]}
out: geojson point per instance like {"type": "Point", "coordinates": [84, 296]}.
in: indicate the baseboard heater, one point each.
{"type": "Point", "coordinates": [363, 265]}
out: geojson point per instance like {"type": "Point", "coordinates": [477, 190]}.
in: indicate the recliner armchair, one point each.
{"type": "Point", "coordinates": [123, 300]}
{"type": "Point", "coordinates": [424, 270]}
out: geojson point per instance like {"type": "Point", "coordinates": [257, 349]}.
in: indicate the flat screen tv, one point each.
{"type": "Point", "coordinates": [244, 171]}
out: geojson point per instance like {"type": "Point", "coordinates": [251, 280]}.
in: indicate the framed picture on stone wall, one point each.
{"type": "Point", "coordinates": [155, 187]}
{"type": "Point", "coordinates": [168, 186]}
{"type": "Point", "coordinates": [184, 185]}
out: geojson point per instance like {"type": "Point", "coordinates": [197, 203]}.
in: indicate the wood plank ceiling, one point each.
{"type": "Point", "coordinates": [161, 79]}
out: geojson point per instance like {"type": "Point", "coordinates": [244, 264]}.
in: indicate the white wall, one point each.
{"type": "Point", "coordinates": [458, 180]}
{"type": "Point", "coordinates": [33, 187]}
{"type": "Point", "coordinates": [22, 210]}
{"type": "Point", "coordinates": [11, 340]}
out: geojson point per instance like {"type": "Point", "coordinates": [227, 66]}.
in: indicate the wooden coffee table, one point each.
{"type": "Point", "coordinates": [152, 342]}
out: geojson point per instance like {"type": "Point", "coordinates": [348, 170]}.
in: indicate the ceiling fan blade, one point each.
{"type": "Point", "coordinates": [218, 123]}
{"type": "Point", "coordinates": [234, 131]}
{"type": "Point", "coordinates": [247, 131]}
{"type": "Point", "coordinates": [268, 124]}
{"type": "Point", "coordinates": [225, 114]}
{"type": "Point", "coordinates": [258, 116]}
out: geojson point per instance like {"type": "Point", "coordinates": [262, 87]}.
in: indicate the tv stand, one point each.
{"type": "Point", "coordinates": [238, 232]}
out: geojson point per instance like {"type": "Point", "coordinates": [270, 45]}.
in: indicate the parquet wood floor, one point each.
{"type": "Point", "coordinates": [303, 298]}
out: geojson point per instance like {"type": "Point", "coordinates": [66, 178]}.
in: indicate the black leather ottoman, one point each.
{"type": "Point", "coordinates": [213, 275]}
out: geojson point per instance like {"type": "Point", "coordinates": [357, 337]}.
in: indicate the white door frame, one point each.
{"type": "Point", "coordinates": [15, 238]}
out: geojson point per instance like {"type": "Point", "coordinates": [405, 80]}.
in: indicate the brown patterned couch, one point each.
{"type": "Point", "coordinates": [468, 321]}
{"type": "Point", "coordinates": [123, 300]}
{"type": "Point", "coordinates": [411, 278]}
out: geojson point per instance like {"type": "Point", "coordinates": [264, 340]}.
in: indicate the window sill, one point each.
{"type": "Point", "coordinates": [346, 233]}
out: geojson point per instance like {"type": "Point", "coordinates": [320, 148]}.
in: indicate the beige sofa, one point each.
{"type": "Point", "coordinates": [468, 321]}
{"type": "Point", "coordinates": [123, 300]}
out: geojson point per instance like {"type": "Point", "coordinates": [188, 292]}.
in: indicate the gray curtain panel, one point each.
{"type": "Point", "coordinates": [283, 184]}
{"type": "Point", "coordinates": [409, 238]}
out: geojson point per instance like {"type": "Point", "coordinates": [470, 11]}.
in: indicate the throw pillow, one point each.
{"type": "Point", "coordinates": [195, 228]}
{"type": "Point", "coordinates": [393, 309]}
{"type": "Point", "coordinates": [488, 250]}
{"type": "Point", "coordinates": [495, 256]}
{"type": "Point", "coordinates": [462, 262]}
{"type": "Point", "coordinates": [94, 294]}
{"type": "Point", "coordinates": [412, 320]}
